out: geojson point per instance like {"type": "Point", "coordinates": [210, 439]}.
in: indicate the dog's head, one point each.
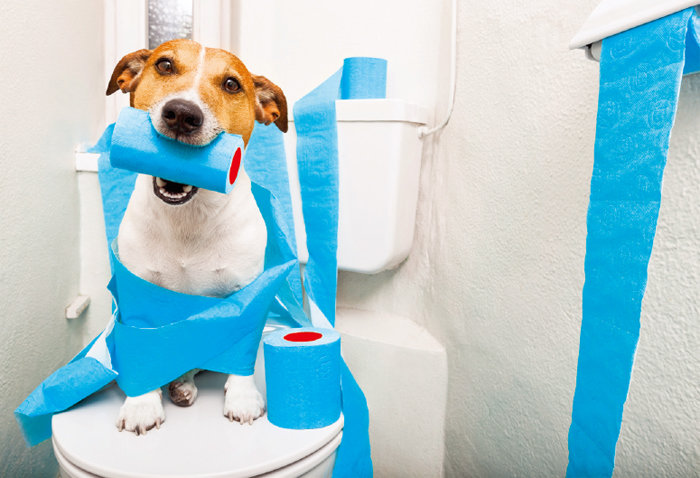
{"type": "Point", "coordinates": [194, 93]}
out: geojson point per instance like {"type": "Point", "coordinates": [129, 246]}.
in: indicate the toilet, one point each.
{"type": "Point", "coordinates": [196, 441]}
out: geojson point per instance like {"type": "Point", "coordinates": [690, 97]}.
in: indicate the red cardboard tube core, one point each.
{"type": "Point", "coordinates": [303, 336]}
{"type": "Point", "coordinates": [235, 166]}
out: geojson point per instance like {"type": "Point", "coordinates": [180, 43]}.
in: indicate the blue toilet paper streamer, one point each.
{"type": "Point", "coordinates": [138, 147]}
{"type": "Point", "coordinates": [92, 369]}
{"type": "Point", "coordinates": [317, 162]}
{"type": "Point", "coordinates": [136, 347]}
{"type": "Point", "coordinates": [317, 158]}
{"type": "Point", "coordinates": [303, 378]}
{"type": "Point", "coordinates": [266, 163]}
{"type": "Point", "coordinates": [640, 77]}
{"type": "Point", "coordinates": [116, 185]}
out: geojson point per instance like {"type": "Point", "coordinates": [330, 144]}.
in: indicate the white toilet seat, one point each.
{"type": "Point", "coordinates": [197, 441]}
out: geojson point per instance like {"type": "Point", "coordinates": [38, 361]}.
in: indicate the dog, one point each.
{"type": "Point", "coordinates": [181, 237]}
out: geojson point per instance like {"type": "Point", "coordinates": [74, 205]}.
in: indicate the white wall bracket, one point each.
{"type": "Point", "coordinates": [76, 308]}
{"type": "Point", "coordinates": [615, 16]}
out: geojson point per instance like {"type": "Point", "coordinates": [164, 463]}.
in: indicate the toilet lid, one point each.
{"type": "Point", "coordinates": [196, 441]}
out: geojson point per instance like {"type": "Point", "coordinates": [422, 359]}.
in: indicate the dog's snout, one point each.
{"type": "Point", "coordinates": [182, 116]}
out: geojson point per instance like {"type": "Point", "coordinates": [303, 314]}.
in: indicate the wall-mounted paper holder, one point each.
{"type": "Point", "coordinates": [615, 16]}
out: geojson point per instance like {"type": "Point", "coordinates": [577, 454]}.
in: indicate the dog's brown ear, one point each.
{"type": "Point", "coordinates": [271, 105]}
{"type": "Point", "coordinates": [126, 71]}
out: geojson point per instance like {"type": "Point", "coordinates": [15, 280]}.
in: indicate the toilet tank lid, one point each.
{"type": "Point", "coordinates": [382, 109]}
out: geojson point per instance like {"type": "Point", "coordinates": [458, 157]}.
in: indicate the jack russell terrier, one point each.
{"type": "Point", "coordinates": [183, 238]}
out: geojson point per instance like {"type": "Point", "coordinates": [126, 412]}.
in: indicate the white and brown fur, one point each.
{"type": "Point", "coordinates": [187, 239]}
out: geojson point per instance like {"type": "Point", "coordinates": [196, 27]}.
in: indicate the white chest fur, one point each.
{"type": "Point", "coordinates": [212, 245]}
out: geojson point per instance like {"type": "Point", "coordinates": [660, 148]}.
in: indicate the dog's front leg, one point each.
{"type": "Point", "coordinates": [243, 402]}
{"type": "Point", "coordinates": [141, 413]}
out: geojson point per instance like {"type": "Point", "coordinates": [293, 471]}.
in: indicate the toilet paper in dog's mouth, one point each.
{"type": "Point", "coordinates": [171, 192]}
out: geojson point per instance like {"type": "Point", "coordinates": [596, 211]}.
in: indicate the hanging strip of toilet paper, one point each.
{"type": "Point", "coordinates": [640, 77]}
{"type": "Point", "coordinates": [138, 147]}
{"type": "Point", "coordinates": [317, 158]}
{"type": "Point", "coordinates": [302, 374]}
{"type": "Point", "coordinates": [137, 346]}
{"type": "Point", "coordinates": [266, 163]}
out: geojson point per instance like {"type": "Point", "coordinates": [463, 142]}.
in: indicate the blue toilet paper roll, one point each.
{"type": "Point", "coordinates": [363, 78]}
{"type": "Point", "coordinates": [302, 371]}
{"type": "Point", "coordinates": [137, 146]}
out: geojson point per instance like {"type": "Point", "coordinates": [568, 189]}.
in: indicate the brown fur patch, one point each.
{"type": "Point", "coordinates": [180, 395]}
{"type": "Point", "coordinates": [126, 71]}
{"type": "Point", "coordinates": [272, 103]}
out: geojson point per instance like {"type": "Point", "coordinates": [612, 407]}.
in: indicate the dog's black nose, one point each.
{"type": "Point", "coordinates": [182, 117]}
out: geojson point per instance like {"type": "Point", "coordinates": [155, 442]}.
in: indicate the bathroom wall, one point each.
{"type": "Point", "coordinates": [497, 266]}
{"type": "Point", "coordinates": [496, 270]}
{"type": "Point", "coordinates": [51, 56]}
{"type": "Point", "coordinates": [299, 44]}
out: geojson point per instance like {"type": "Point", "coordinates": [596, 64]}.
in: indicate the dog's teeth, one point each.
{"type": "Point", "coordinates": [160, 182]}
{"type": "Point", "coordinates": [187, 188]}
{"type": "Point", "coordinates": [171, 195]}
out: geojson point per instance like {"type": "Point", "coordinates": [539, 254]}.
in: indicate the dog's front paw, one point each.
{"type": "Point", "coordinates": [243, 402]}
{"type": "Point", "coordinates": [142, 413]}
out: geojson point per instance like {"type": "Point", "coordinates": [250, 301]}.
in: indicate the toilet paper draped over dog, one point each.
{"type": "Point", "coordinates": [99, 363]}
{"type": "Point", "coordinates": [155, 334]}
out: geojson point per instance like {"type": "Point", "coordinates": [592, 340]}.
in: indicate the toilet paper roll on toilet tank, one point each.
{"type": "Point", "coordinates": [302, 370]}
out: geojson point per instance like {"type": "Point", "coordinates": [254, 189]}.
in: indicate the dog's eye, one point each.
{"type": "Point", "coordinates": [231, 85]}
{"type": "Point", "coordinates": [164, 66]}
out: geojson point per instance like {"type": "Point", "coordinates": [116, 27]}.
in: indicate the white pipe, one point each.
{"type": "Point", "coordinates": [423, 132]}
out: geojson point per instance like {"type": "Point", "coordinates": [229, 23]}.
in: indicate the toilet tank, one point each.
{"type": "Point", "coordinates": [298, 45]}
{"type": "Point", "coordinates": [379, 156]}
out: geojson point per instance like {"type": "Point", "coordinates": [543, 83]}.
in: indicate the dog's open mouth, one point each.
{"type": "Point", "coordinates": [171, 192]}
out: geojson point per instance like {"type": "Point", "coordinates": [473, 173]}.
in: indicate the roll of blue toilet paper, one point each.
{"type": "Point", "coordinates": [302, 371]}
{"type": "Point", "coordinates": [363, 78]}
{"type": "Point", "coordinates": [138, 147]}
